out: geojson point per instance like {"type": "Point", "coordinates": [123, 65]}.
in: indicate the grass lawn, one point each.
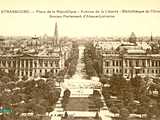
{"type": "Point", "coordinates": [80, 118]}
{"type": "Point", "coordinates": [80, 104]}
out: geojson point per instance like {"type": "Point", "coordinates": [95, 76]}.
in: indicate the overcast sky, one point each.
{"type": "Point", "coordinates": [39, 24]}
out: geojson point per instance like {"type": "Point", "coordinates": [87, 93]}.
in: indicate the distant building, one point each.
{"type": "Point", "coordinates": [35, 59]}
{"type": "Point", "coordinates": [129, 59]}
{"type": "Point", "coordinates": [2, 42]}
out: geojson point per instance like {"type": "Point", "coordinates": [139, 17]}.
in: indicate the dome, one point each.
{"type": "Point", "coordinates": [132, 38]}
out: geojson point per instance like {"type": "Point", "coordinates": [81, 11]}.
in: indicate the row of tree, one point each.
{"type": "Point", "coordinates": [30, 96]}
{"type": "Point", "coordinates": [71, 62]}
{"type": "Point", "coordinates": [70, 65]}
{"type": "Point", "coordinates": [97, 99]}
{"type": "Point", "coordinates": [131, 96]}
{"type": "Point", "coordinates": [92, 61]}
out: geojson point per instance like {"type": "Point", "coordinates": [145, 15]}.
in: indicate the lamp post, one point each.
{"type": "Point", "coordinates": [149, 115]}
{"type": "Point", "coordinates": [60, 79]}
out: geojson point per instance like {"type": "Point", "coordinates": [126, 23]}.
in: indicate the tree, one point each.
{"type": "Point", "coordinates": [2, 86]}
{"type": "Point", "coordinates": [65, 115]}
{"type": "Point", "coordinates": [142, 110]}
{"type": "Point", "coordinates": [24, 78]}
{"type": "Point", "coordinates": [97, 99]}
{"type": "Point", "coordinates": [67, 92]}
{"type": "Point", "coordinates": [124, 114]}
{"type": "Point", "coordinates": [33, 96]}
{"type": "Point", "coordinates": [103, 79]}
{"type": "Point", "coordinates": [127, 94]}
{"type": "Point", "coordinates": [114, 110]}
{"type": "Point", "coordinates": [66, 97]}
{"type": "Point", "coordinates": [20, 84]}
{"type": "Point", "coordinates": [118, 84]}
{"type": "Point", "coordinates": [5, 79]}
{"type": "Point", "coordinates": [138, 86]}
{"type": "Point", "coordinates": [12, 74]}
{"type": "Point", "coordinates": [51, 84]}
{"type": "Point", "coordinates": [11, 85]}
{"type": "Point", "coordinates": [97, 117]}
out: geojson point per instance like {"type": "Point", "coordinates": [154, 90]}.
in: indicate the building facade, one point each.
{"type": "Point", "coordinates": [129, 59]}
{"type": "Point", "coordinates": [130, 65]}
{"type": "Point", "coordinates": [31, 65]}
{"type": "Point", "coordinates": [34, 59]}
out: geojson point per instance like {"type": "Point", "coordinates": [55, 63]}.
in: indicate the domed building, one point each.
{"type": "Point", "coordinates": [130, 59]}
{"type": "Point", "coordinates": [34, 42]}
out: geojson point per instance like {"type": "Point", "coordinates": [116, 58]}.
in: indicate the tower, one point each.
{"type": "Point", "coordinates": [151, 38]}
{"type": "Point", "coordinates": [55, 40]}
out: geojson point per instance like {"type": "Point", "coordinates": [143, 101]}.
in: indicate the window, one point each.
{"type": "Point", "coordinates": [22, 63]}
{"type": "Point", "coordinates": [31, 64]}
{"type": "Point", "coordinates": [41, 63]}
{"type": "Point", "coordinates": [143, 63]}
{"type": "Point", "coordinates": [143, 71]}
{"type": "Point", "coordinates": [137, 71]}
{"type": "Point", "coordinates": [35, 64]}
{"type": "Point", "coordinates": [4, 63]}
{"type": "Point", "coordinates": [113, 63]}
{"type": "Point", "coordinates": [107, 71]}
{"type": "Point", "coordinates": [18, 63]}
{"type": "Point", "coordinates": [22, 73]}
{"type": "Point", "coordinates": [137, 63]}
{"type": "Point", "coordinates": [18, 72]}
{"type": "Point", "coordinates": [9, 63]}
{"type": "Point", "coordinates": [117, 70]}
{"type": "Point", "coordinates": [126, 62]}
{"type": "Point", "coordinates": [107, 63]}
{"type": "Point", "coordinates": [30, 73]}
{"type": "Point", "coordinates": [27, 63]}
{"type": "Point", "coordinates": [116, 63]}
{"type": "Point", "coordinates": [152, 71]}
{"type": "Point", "coordinates": [14, 63]}
{"type": "Point", "coordinates": [46, 64]}
{"type": "Point", "coordinates": [26, 73]}
{"type": "Point", "coordinates": [120, 63]}
{"type": "Point", "coordinates": [45, 71]}
{"type": "Point", "coordinates": [57, 63]}
{"type": "Point", "coordinates": [152, 63]}
{"type": "Point", "coordinates": [51, 64]}
{"type": "Point", "coordinates": [156, 63]}
{"type": "Point", "coordinates": [125, 70]}
{"type": "Point", "coordinates": [130, 63]}
{"type": "Point", "coordinates": [148, 62]}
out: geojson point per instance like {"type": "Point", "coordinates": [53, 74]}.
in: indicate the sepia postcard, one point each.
{"type": "Point", "coordinates": [79, 60]}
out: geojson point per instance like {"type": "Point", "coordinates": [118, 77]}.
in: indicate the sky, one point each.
{"type": "Point", "coordinates": [40, 24]}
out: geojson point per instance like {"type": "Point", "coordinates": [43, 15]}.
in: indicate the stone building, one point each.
{"type": "Point", "coordinates": [35, 59]}
{"type": "Point", "coordinates": [129, 59]}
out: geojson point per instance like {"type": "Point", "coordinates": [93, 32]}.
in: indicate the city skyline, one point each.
{"type": "Point", "coordinates": [40, 24]}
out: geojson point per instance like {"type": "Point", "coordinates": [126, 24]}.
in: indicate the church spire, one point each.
{"type": "Point", "coordinates": [55, 42]}
{"type": "Point", "coordinates": [151, 38]}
